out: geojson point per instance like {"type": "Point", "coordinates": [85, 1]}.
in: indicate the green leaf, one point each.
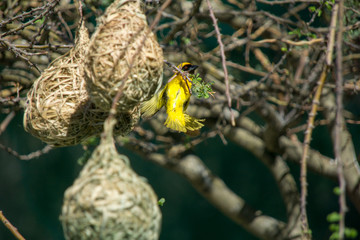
{"type": "Point", "coordinates": [105, 2]}
{"type": "Point", "coordinates": [124, 140]}
{"type": "Point", "coordinates": [328, 5]}
{"type": "Point", "coordinates": [336, 191]}
{"type": "Point", "coordinates": [84, 158]}
{"type": "Point", "coordinates": [312, 8]}
{"type": "Point", "coordinates": [351, 233]}
{"type": "Point", "coordinates": [312, 35]}
{"type": "Point", "coordinates": [319, 13]}
{"type": "Point", "coordinates": [91, 141]}
{"type": "Point", "coordinates": [161, 202]}
{"type": "Point", "coordinates": [186, 40]}
{"type": "Point", "coordinates": [284, 49]}
{"type": "Point", "coordinates": [333, 217]}
{"type": "Point", "coordinates": [334, 227]}
{"type": "Point", "coordinates": [295, 32]}
{"type": "Point", "coordinates": [334, 236]}
{"type": "Point", "coordinates": [40, 21]}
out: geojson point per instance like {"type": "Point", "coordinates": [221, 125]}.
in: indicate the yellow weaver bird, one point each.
{"type": "Point", "coordinates": [175, 96]}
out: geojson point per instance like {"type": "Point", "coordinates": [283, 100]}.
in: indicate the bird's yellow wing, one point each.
{"type": "Point", "coordinates": [152, 106]}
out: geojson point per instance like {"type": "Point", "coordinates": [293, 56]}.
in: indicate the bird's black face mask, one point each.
{"type": "Point", "coordinates": [190, 68]}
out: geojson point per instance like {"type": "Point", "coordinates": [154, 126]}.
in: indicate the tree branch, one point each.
{"type": "Point", "coordinates": [11, 227]}
{"type": "Point", "coordinates": [217, 193]}
{"type": "Point", "coordinates": [29, 156]}
{"type": "Point", "coordinates": [280, 172]}
{"type": "Point", "coordinates": [339, 120]}
{"type": "Point", "coordinates": [348, 154]}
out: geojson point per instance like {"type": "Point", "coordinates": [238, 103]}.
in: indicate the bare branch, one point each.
{"type": "Point", "coordinates": [6, 121]}
{"type": "Point", "coordinates": [223, 60]}
{"type": "Point", "coordinates": [29, 156]}
{"type": "Point", "coordinates": [339, 120]}
{"type": "Point", "coordinates": [11, 227]}
{"type": "Point", "coordinates": [287, 1]}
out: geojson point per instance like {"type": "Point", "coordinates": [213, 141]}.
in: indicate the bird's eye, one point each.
{"type": "Point", "coordinates": [186, 67]}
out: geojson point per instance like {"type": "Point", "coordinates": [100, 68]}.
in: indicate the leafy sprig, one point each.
{"type": "Point", "coordinates": [334, 218]}
{"type": "Point", "coordinates": [200, 88]}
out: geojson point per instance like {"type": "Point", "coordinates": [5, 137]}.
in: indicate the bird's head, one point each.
{"type": "Point", "coordinates": [187, 67]}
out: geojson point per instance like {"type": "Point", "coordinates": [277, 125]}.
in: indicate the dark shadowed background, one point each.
{"type": "Point", "coordinates": [31, 192]}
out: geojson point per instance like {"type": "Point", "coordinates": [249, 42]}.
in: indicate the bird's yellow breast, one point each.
{"type": "Point", "coordinates": [177, 94]}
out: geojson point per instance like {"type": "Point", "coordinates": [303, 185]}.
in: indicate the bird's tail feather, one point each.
{"type": "Point", "coordinates": [175, 121]}
{"type": "Point", "coordinates": [192, 123]}
{"type": "Point", "coordinates": [183, 122]}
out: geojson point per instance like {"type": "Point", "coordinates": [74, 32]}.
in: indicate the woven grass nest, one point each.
{"type": "Point", "coordinates": [59, 111]}
{"type": "Point", "coordinates": [109, 200]}
{"type": "Point", "coordinates": [123, 54]}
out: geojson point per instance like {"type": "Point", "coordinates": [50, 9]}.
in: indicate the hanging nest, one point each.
{"type": "Point", "coordinates": [123, 54]}
{"type": "Point", "coordinates": [59, 111]}
{"type": "Point", "coordinates": [109, 200]}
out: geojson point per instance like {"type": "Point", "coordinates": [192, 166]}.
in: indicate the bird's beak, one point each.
{"type": "Point", "coordinates": [193, 67]}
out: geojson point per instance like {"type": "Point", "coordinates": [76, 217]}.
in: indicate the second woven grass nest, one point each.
{"type": "Point", "coordinates": [123, 54]}
{"type": "Point", "coordinates": [109, 200]}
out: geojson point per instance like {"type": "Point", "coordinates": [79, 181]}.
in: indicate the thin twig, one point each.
{"type": "Point", "coordinates": [351, 121]}
{"type": "Point", "coordinates": [310, 126]}
{"type": "Point", "coordinates": [223, 60]}
{"type": "Point", "coordinates": [66, 26]}
{"type": "Point", "coordinates": [182, 22]}
{"type": "Point", "coordinates": [19, 53]}
{"type": "Point", "coordinates": [304, 59]}
{"type": "Point", "coordinates": [48, 46]}
{"type": "Point", "coordinates": [80, 10]}
{"type": "Point", "coordinates": [6, 121]}
{"type": "Point", "coordinates": [290, 42]}
{"type": "Point", "coordinates": [42, 31]}
{"type": "Point", "coordinates": [287, 1]}
{"type": "Point", "coordinates": [29, 156]}
{"type": "Point", "coordinates": [24, 15]}
{"type": "Point", "coordinates": [49, 8]}
{"type": "Point", "coordinates": [338, 120]}
{"type": "Point", "coordinates": [306, 145]}
{"type": "Point", "coordinates": [11, 227]}
{"type": "Point", "coordinates": [277, 65]}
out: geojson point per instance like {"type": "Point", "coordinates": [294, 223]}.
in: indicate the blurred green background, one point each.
{"type": "Point", "coordinates": [31, 192]}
